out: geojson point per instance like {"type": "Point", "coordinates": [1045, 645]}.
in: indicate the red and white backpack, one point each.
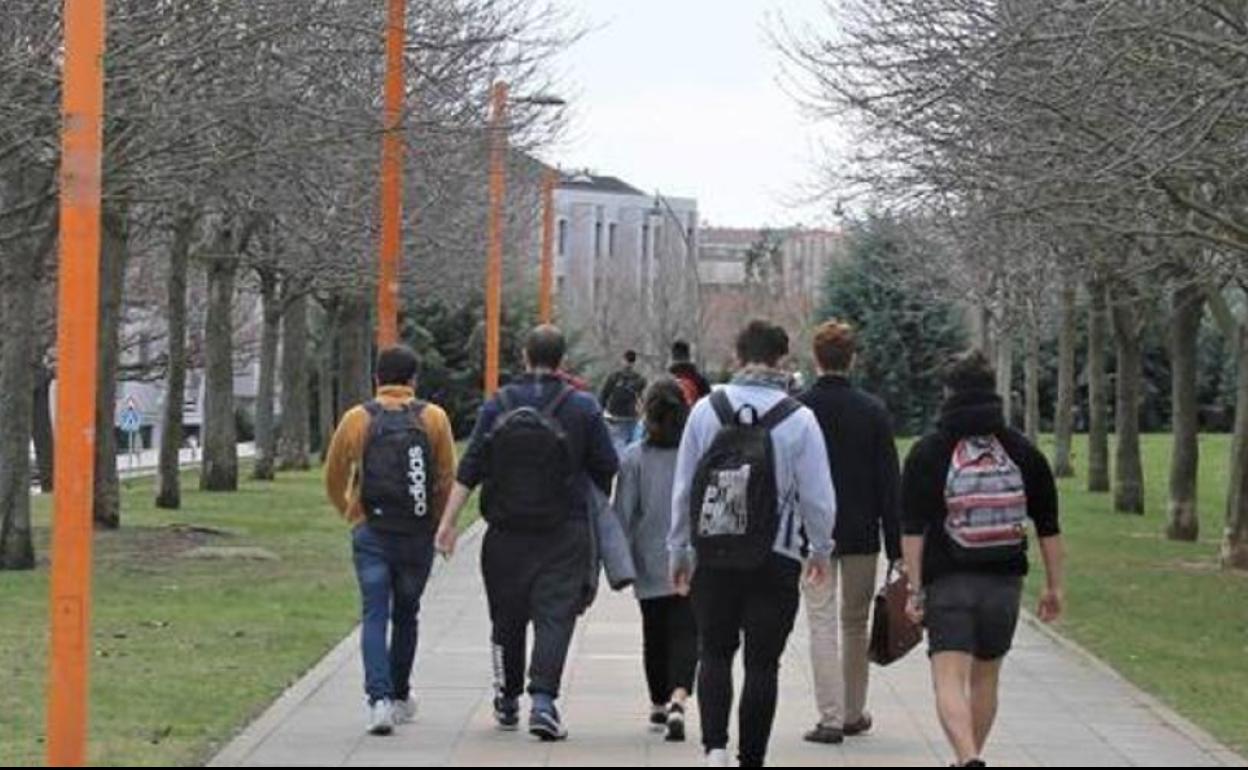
{"type": "Point", "coordinates": [985, 502]}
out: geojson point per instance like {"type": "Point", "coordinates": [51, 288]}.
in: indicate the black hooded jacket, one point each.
{"type": "Point", "coordinates": [971, 413]}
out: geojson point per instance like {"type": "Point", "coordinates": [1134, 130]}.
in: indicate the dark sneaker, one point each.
{"type": "Point", "coordinates": [675, 724]}
{"type": "Point", "coordinates": [976, 763]}
{"type": "Point", "coordinates": [658, 717]}
{"type": "Point", "coordinates": [863, 725]}
{"type": "Point", "coordinates": [825, 734]}
{"type": "Point", "coordinates": [507, 712]}
{"type": "Point", "coordinates": [544, 723]}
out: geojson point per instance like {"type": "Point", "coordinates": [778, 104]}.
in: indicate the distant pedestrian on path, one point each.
{"type": "Point", "coordinates": [643, 503]}
{"type": "Point", "coordinates": [691, 381]}
{"type": "Point", "coordinates": [859, 436]}
{"type": "Point", "coordinates": [389, 471]}
{"type": "Point", "coordinates": [967, 492]}
{"type": "Point", "coordinates": [621, 394]}
{"type": "Point", "coordinates": [537, 448]}
{"type": "Point", "coordinates": [752, 498]}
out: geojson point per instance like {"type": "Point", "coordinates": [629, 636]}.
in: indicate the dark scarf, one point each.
{"type": "Point", "coordinates": [972, 413]}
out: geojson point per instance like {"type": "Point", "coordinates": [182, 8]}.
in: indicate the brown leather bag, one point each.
{"type": "Point", "coordinates": [892, 633]}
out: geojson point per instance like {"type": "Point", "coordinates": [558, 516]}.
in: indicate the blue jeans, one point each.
{"type": "Point", "coordinates": [392, 570]}
{"type": "Point", "coordinates": [622, 432]}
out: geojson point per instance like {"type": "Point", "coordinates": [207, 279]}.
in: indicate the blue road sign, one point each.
{"type": "Point", "coordinates": [131, 420]}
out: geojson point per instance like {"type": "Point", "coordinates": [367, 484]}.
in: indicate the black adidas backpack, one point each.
{"type": "Point", "coordinates": [528, 477]}
{"type": "Point", "coordinates": [734, 496]}
{"type": "Point", "coordinates": [397, 473]}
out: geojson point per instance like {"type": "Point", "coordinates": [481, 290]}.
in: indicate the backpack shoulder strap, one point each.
{"type": "Point", "coordinates": [505, 401]}
{"type": "Point", "coordinates": [723, 408]}
{"type": "Point", "coordinates": [415, 408]}
{"type": "Point", "coordinates": [372, 407]}
{"type": "Point", "coordinates": [560, 398]}
{"type": "Point", "coordinates": [780, 412]}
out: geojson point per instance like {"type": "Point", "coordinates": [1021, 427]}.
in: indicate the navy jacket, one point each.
{"type": "Point", "coordinates": [593, 457]}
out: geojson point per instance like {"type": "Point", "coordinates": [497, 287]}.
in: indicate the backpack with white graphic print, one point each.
{"type": "Point", "coordinates": [397, 474]}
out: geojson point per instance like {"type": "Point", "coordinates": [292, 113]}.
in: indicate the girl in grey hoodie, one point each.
{"type": "Point", "coordinates": [643, 503]}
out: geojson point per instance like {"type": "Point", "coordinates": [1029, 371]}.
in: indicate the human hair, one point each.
{"type": "Point", "coordinates": [834, 346]}
{"type": "Point", "coordinates": [681, 352]}
{"type": "Point", "coordinates": [630, 356]}
{"type": "Point", "coordinates": [665, 412]}
{"type": "Point", "coordinates": [544, 347]}
{"type": "Point", "coordinates": [970, 371]}
{"type": "Point", "coordinates": [396, 365]}
{"type": "Point", "coordinates": [762, 342]}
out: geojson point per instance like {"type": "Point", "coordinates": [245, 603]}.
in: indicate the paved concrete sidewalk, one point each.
{"type": "Point", "coordinates": [1059, 708]}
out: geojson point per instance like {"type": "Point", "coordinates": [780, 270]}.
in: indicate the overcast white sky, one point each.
{"type": "Point", "coordinates": [681, 95]}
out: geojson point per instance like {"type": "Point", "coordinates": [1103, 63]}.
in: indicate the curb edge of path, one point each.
{"type": "Point", "coordinates": [1189, 729]}
{"type": "Point", "coordinates": [244, 742]}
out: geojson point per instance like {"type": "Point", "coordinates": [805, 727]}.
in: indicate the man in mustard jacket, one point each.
{"type": "Point", "coordinates": [389, 470]}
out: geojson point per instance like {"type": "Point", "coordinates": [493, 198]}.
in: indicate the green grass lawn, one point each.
{"type": "Point", "coordinates": [1160, 612]}
{"type": "Point", "coordinates": [184, 652]}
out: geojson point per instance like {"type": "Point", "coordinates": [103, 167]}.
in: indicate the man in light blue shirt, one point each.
{"type": "Point", "coordinates": [759, 602]}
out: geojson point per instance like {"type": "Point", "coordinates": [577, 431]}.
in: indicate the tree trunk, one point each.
{"type": "Point", "coordinates": [293, 447]}
{"type": "Point", "coordinates": [1005, 375]}
{"type": "Point", "coordinates": [17, 390]}
{"type": "Point", "coordinates": [114, 251]}
{"type": "Point", "coordinates": [1187, 303]}
{"type": "Point", "coordinates": [354, 353]}
{"type": "Point", "coordinates": [1235, 539]}
{"type": "Point", "coordinates": [1064, 416]}
{"type": "Point", "coordinates": [220, 444]}
{"type": "Point", "coordinates": [1098, 395]}
{"type": "Point", "coordinates": [325, 378]}
{"type": "Point", "coordinates": [1031, 418]}
{"type": "Point", "coordinates": [1128, 465]}
{"type": "Point", "coordinates": [169, 494]}
{"type": "Point", "coordinates": [266, 438]}
{"type": "Point", "coordinates": [41, 430]}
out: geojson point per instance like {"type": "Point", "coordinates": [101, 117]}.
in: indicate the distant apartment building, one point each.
{"type": "Point", "coordinates": [772, 273]}
{"type": "Point", "coordinates": [624, 262]}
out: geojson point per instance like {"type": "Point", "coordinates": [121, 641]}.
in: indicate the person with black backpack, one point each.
{"type": "Point", "coordinates": [620, 395]}
{"type": "Point", "coordinates": [968, 492]}
{"type": "Point", "coordinates": [752, 500]}
{"type": "Point", "coordinates": [389, 471]}
{"type": "Point", "coordinates": [537, 447]}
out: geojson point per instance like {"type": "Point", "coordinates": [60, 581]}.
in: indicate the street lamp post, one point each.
{"type": "Point", "coordinates": [391, 179]}
{"type": "Point", "coordinates": [546, 281]}
{"type": "Point", "coordinates": [498, 193]}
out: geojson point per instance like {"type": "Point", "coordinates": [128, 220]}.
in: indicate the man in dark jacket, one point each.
{"type": "Point", "coordinates": [967, 493]}
{"type": "Point", "coordinates": [620, 395]}
{"type": "Point", "coordinates": [534, 575]}
{"type": "Point", "coordinates": [691, 381]}
{"type": "Point", "coordinates": [859, 435]}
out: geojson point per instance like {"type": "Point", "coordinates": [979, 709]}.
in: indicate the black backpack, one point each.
{"type": "Point", "coordinates": [397, 472]}
{"type": "Point", "coordinates": [734, 498]}
{"type": "Point", "coordinates": [528, 476]}
{"type": "Point", "coordinates": [622, 400]}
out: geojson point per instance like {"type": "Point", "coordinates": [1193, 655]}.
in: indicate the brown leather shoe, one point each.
{"type": "Point", "coordinates": [859, 727]}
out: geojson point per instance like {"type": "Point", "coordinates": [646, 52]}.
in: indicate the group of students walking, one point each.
{"type": "Point", "coordinates": [728, 508]}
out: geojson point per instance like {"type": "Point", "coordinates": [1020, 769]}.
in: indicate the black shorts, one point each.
{"type": "Point", "coordinates": [972, 613]}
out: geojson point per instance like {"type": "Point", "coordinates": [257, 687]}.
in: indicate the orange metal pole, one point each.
{"type": "Point", "coordinates": [546, 285]}
{"type": "Point", "coordinates": [391, 179]}
{"type": "Point", "coordinates": [494, 261]}
{"type": "Point", "coordinates": [82, 117]}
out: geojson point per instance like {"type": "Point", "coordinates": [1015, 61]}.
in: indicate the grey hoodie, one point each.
{"type": "Point", "coordinates": [643, 504]}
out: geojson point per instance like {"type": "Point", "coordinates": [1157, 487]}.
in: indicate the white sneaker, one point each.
{"type": "Point", "coordinates": [381, 718]}
{"type": "Point", "coordinates": [405, 710]}
{"type": "Point", "coordinates": [717, 758]}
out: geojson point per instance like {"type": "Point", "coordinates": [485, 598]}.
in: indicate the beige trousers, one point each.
{"type": "Point", "coordinates": [838, 641]}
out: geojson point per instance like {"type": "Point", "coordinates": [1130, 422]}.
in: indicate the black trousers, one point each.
{"type": "Point", "coordinates": [760, 606]}
{"type": "Point", "coordinates": [537, 578]}
{"type": "Point", "coordinates": [670, 644]}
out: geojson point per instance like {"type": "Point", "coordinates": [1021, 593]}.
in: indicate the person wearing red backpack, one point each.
{"type": "Point", "coordinates": [692, 384]}
{"type": "Point", "coordinates": [389, 471]}
{"type": "Point", "coordinates": [968, 491]}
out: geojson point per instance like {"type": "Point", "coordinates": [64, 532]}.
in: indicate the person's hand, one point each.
{"type": "Point", "coordinates": [817, 571]}
{"type": "Point", "coordinates": [445, 539]}
{"type": "Point", "coordinates": [681, 580]}
{"type": "Point", "coordinates": [915, 609]}
{"type": "Point", "coordinates": [1051, 605]}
